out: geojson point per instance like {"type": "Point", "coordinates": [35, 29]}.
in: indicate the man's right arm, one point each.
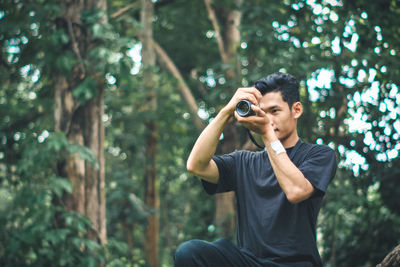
{"type": "Point", "coordinates": [200, 162]}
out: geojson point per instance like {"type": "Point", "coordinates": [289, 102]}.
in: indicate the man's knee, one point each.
{"type": "Point", "coordinates": [189, 253]}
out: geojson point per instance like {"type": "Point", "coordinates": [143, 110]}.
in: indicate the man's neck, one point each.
{"type": "Point", "coordinates": [291, 141]}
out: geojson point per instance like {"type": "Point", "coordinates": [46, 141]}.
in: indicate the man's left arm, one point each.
{"type": "Point", "coordinates": [296, 186]}
{"type": "Point", "coordinates": [292, 181]}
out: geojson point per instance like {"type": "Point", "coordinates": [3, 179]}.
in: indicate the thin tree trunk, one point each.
{"type": "Point", "coordinates": [82, 123]}
{"type": "Point", "coordinates": [95, 177]}
{"type": "Point", "coordinates": [127, 229]}
{"type": "Point", "coordinates": [151, 192]}
{"type": "Point", "coordinates": [228, 45]}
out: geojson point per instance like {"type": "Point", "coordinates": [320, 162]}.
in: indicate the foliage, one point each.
{"type": "Point", "coordinates": [35, 231]}
{"type": "Point", "coordinates": [353, 43]}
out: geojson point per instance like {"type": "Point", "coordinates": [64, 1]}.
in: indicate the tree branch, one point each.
{"type": "Point", "coordinates": [169, 65]}
{"type": "Point", "coordinates": [218, 35]}
{"type": "Point", "coordinates": [124, 9]}
{"type": "Point", "coordinates": [136, 5]}
{"type": "Point", "coordinates": [75, 48]}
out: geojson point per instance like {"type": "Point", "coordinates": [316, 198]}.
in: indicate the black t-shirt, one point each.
{"type": "Point", "coordinates": [269, 226]}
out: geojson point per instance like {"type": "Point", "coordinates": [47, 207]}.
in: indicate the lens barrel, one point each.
{"type": "Point", "coordinates": [243, 108]}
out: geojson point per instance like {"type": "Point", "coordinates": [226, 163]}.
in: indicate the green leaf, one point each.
{"type": "Point", "coordinates": [57, 141]}
{"type": "Point", "coordinates": [56, 236]}
{"type": "Point", "coordinates": [92, 16]}
{"type": "Point", "coordinates": [58, 185]}
{"type": "Point", "coordinates": [85, 91]}
{"type": "Point", "coordinates": [77, 242]}
{"type": "Point", "coordinates": [84, 153]}
{"type": "Point", "coordinates": [59, 38]}
{"type": "Point", "coordinates": [65, 62]}
{"type": "Point", "coordinates": [91, 245]}
{"type": "Point", "coordinates": [103, 31]}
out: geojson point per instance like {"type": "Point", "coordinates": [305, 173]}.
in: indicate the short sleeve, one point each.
{"type": "Point", "coordinates": [319, 167]}
{"type": "Point", "coordinates": [227, 175]}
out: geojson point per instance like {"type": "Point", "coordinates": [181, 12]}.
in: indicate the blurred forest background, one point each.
{"type": "Point", "coordinates": [102, 100]}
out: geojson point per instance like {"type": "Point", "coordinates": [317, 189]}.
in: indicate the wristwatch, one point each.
{"type": "Point", "coordinates": [278, 147]}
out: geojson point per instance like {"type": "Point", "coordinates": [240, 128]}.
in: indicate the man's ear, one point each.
{"type": "Point", "coordinates": [297, 110]}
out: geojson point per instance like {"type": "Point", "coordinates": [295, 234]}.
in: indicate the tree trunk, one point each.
{"type": "Point", "coordinates": [82, 123]}
{"type": "Point", "coordinates": [151, 194]}
{"type": "Point", "coordinates": [95, 178]}
{"type": "Point", "coordinates": [127, 230]}
{"type": "Point", "coordinates": [228, 45]}
{"type": "Point", "coordinates": [225, 202]}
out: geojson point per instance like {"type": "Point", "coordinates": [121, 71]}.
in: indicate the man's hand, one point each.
{"type": "Point", "coordinates": [261, 123]}
{"type": "Point", "coordinates": [248, 93]}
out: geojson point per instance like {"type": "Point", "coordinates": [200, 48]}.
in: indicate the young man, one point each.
{"type": "Point", "coordinates": [278, 191]}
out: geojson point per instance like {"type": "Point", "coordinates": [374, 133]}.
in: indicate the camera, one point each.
{"type": "Point", "coordinates": [243, 108]}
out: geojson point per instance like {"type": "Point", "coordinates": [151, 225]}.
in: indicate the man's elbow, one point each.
{"type": "Point", "coordinates": [294, 199]}
{"type": "Point", "coordinates": [205, 172]}
{"type": "Point", "coordinates": [190, 167]}
{"type": "Point", "coordinates": [193, 168]}
{"type": "Point", "coordinates": [298, 195]}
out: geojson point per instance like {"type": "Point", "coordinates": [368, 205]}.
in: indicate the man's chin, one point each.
{"type": "Point", "coordinates": [281, 137]}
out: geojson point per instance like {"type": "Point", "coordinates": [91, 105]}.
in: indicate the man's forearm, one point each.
{"type": "Point", "coordinates": [292, 181]}
{"type": "Point", "coordinates": [206, 145]}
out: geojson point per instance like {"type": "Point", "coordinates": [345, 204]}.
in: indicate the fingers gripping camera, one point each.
{"type": "Point", "coordinates": [243, 108]}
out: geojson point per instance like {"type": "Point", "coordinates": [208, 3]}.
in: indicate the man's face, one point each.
{"type": "Point", "coordinates": [283, 118]}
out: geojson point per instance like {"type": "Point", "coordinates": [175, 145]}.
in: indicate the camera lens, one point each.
{"type": "Point", "coordinates": [243, 108]}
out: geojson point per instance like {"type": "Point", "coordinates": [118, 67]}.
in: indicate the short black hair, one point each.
{"type": "Point", "coordinates": [280, 82]}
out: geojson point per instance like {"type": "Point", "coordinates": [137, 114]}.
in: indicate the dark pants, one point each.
{"type": "Point", "coordinates": [219, 254]}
